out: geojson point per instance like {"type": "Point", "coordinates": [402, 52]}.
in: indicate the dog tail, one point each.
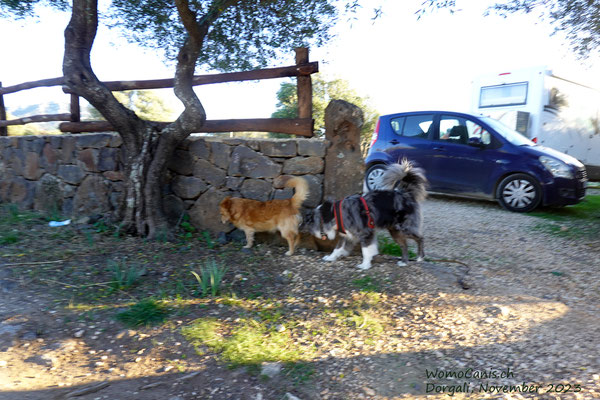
{"type": "Point", "coordinates": [406, 177]}
{"type": "Point", "coordinates": [301, 190]}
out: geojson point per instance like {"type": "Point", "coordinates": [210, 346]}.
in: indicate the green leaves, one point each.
{"type": "Point", "coordinates": [245, 36]}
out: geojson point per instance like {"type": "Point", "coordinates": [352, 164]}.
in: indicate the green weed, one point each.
{"type": "Point", "coordinates": [210, 278]}
{"type": "Point", "coordinates": [208, 240]}
{"type": "Point", "coordinates": [390, 247]}
{"type": "Point", "coordinates": [145, 313]}
{"type": "Point", "coordinates": [367, 284]}
{"type": "Point", "coordinates": [299, 372]}
{"type": "Point", "coordinates": [124, 277]}
{"type": "Point", "coordinates": [9, 238]}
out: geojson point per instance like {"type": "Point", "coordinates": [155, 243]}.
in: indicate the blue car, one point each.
{"type": "Point", "coordinates": [477, 157]}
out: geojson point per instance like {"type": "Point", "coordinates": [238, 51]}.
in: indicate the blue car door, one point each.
{"type": "Point", "coordinates": [414, 143]}
{"type": "Point", "coordinates": [457, 166]}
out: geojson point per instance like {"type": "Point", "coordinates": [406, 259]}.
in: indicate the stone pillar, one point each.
{"type": "Point", "coordinates": [344, 166]}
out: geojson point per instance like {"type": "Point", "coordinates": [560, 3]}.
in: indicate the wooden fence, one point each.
{"type": "Point", "coordinates": [301, 126]}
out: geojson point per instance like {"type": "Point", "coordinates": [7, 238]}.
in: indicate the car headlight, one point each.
{"type": "Point", "coordinates": [557, 168]}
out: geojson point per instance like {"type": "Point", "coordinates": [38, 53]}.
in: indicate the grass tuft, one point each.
{"type": "Point", "coordinates": [210, 278]}
{"type": "Point", "coordinates": [367, 284]}
{"type": "Point", "coordinates": [145, 313]}
{"type": "Point", "coordinates": [124, 277]}
{"type": "Point", "coordinates": [390, 247]}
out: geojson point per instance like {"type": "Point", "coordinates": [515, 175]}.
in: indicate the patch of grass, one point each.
{"type": "Point", "coordinates": [367, 284]}
{"type": "Point", "coordinates": [210, 278]}
{"type": "Point", "coordinates": [390, 247]}
{"type": "Point", "coordinates": [10, 215]}
{"type": "Point", "coordinates": [588, 209]}
{"type": "Point", "coordinates": [582, 219]}
{"type": "Point", "coordinates": [299, 372]}
{"type": "Point", "coordinates": [144, 313]}
{"type": "Point", "coordinates": [9, 238]}
{"type": "Point", "coordinates": [248, 342]}
{"type": "Point", "coordinates": [365, 320]}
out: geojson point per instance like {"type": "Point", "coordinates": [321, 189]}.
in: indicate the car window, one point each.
{"type": "Point", "coordinates": [397, 125]}
{"type": "Point", "coordinates": [460, 130]}
{"type": "Point", "coordinates": [417, 125]}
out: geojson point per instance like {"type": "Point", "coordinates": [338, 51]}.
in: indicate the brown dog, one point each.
{"type": "Point", "coordinates": [267, 216]}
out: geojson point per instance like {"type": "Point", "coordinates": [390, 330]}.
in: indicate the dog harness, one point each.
{"type": "Point", "coordinates": [337, 212]}
{"type": "Point", "coordinates": [339, 219]}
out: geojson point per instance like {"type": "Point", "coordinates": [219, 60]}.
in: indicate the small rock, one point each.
{"type": "Point", "coordinates": [280, 328]}
{"type": "Point", "coordinates": [289, 396]}
{"type": "Point", "coordinates": [29, 336]}
{"type": "Point", "coordinates": [368, 391]}
{"type": "Point", "coordinates": [79, 333]}
{"type": "Point", "coordinates": [271, 369]}
{"type": "Point", "coordinates": [152, 385]}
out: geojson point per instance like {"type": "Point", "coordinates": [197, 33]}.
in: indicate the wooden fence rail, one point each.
{"type": "Point", "coordinates": [301, 126]}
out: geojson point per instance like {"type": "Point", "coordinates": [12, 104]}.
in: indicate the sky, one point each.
{"type": "Point", "coordinates": [399, 62]}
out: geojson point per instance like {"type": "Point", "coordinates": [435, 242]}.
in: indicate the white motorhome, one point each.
{"type": "Point", "coordinates": [548, 109]}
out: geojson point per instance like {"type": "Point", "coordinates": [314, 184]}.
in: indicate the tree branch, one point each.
{"type": "Point", "coordinates": [79, 76]}
{"type": "Point", "coordinates": [194, 115]}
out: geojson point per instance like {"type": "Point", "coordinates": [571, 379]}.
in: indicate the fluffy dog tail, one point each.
{"type": "Point", "coordinates": [407, 178]}
{"type": "Point", "coordinates": [301, 190]}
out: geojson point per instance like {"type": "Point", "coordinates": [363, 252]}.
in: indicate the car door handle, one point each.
{"type": "Point", "coordinates": [437, 148]}
{"type": "Point", "coordinates": [394, 141]}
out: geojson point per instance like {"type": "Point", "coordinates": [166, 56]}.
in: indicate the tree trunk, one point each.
{"type": "Point", "coordinates": [142, 212]}
{"type": "Point", "coordinates": [147, 147]}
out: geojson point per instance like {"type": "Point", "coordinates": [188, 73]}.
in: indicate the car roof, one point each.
{"type": "Point", "coordinates": [433, 112]}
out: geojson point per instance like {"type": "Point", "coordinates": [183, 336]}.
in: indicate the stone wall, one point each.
{"type": "Point", "coordinates": [63, 174]}
{"type": "Point", "coordinates": [80, 175]}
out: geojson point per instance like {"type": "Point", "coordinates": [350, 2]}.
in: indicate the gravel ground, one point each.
{"type": "Point", "coordinates": [501, 309]}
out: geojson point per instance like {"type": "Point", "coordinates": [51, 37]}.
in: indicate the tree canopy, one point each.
{"type": "Point", "coordinates": [246, 35]}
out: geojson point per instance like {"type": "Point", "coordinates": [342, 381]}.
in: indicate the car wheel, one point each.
{"type": "Point", "coordinates": [373, 176]}
{"type": "Point", "coordinates": [519, 192]}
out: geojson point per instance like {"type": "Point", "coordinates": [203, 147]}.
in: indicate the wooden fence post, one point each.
{"type": "Point", "coordinates": [4, 129]}
{"type": "Point", "coordinates": [75, 110]}
{"type": "Point", "coordinates": [304, 88]}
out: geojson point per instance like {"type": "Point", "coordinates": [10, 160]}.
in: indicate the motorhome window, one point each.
{"type": "Point", "coordinates": [512, 94]}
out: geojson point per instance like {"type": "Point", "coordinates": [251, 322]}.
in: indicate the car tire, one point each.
{"type": "Point", "coordinates": [373, 176]}
{"type": "Point", "coordinates": [519, 193]}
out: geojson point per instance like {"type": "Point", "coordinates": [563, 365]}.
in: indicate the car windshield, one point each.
{"type": "Point", "coordinates": [512, 136]}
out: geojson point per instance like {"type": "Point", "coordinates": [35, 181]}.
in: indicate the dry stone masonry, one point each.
{"type": "Point", "coordinates": [82, 175]}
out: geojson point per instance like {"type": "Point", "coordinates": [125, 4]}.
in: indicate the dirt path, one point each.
{"type": "Point", "coordinates": [511, 313]}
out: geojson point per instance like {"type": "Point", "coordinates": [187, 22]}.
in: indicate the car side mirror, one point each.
{"type": "Point", "coordinates": [476, 142]}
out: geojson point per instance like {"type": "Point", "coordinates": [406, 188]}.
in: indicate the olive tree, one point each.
{"type": "Point", "coordinates": [218, 34]}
